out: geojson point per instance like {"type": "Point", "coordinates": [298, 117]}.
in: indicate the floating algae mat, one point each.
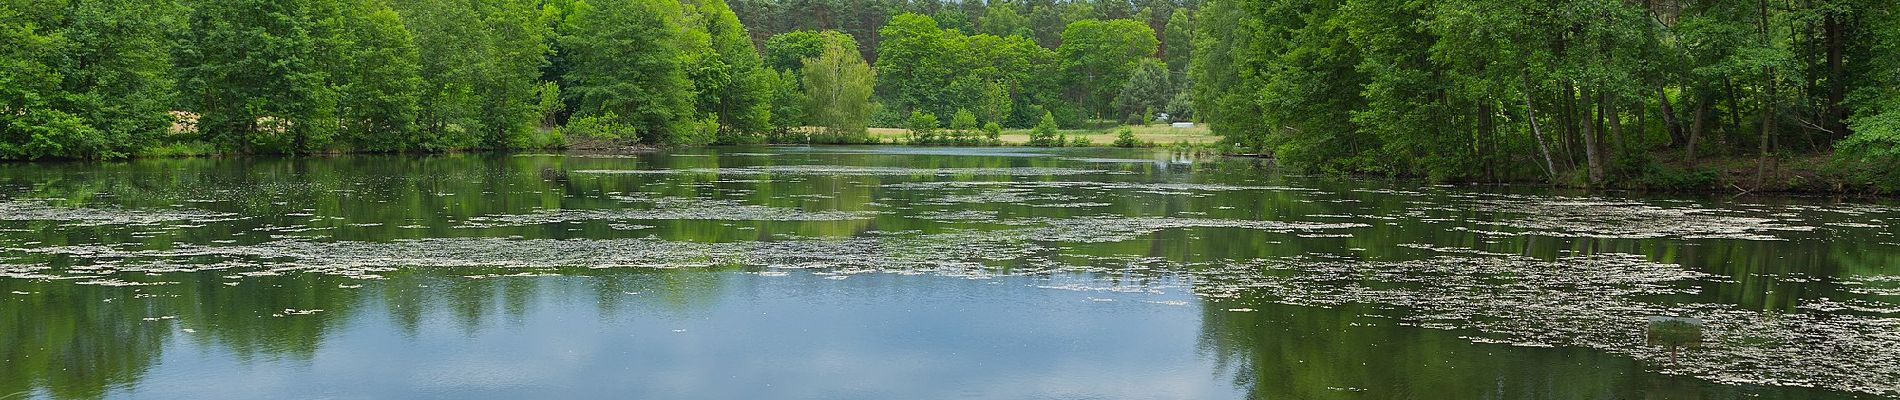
{"type": "Point", "coordinates": [487, 277]}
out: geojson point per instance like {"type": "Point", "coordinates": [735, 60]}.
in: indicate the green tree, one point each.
{"type": "Point", "coordinates": [628, 61]}
{"type": "Point", "coordinates": [1178, 43]}
{"type": "Point", "coordinates": [452, 60]}
{"type": "Point", "coordinates": [380, 82]}
{"type": "Point", "coordinates": [1003, 20]}
{"type": "Point", "coordinates": [788, 108]}
{"type": "Point", "coordinates": [1044, 134]}
{"type": "Point", "coordinates": [731, 82]}
{"type": "Point", "coordinates": [838, 86]}
{"type": "Point", "coordinates": [86, 79]}
{"type": "Point", "coordinates": [963, 126]}
{"type": "Point", "coordinates": [915, 64]}
{"type": "Point", "coordinates": [993, 133]}
{"type": "Point", "coordinates": [788, 51]}
{"type": "Point", "coordinates": [1147, 89]}
{"type": "Point", "coordinates": [246, 69]}
{"type": "Point", "coordinates": [1126, 138]}
{"type": "Point", "coordinates": [1875, 122]}
{"type": "Point", "coordinates": [923, 128]}
{"type": "Point", "coordinates": [1100, 55]}
{"type": "Point", "coordinates": [514, 55]}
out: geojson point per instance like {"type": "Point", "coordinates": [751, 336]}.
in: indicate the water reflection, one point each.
{"type": "Point", "coordinates": [877, 273]}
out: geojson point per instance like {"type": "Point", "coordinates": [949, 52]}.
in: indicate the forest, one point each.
{"type": "Point", "coordinates": [1597, 93]}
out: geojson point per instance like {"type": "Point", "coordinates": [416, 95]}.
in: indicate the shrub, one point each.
{"type": "Point", "coordinates": [923, 128]}
{"type": "Point", "coordinates": [1126, 138]}
{"type": "Point", "coordinates": [1044, 134]}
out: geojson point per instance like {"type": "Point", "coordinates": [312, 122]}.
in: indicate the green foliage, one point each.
{"type": "Point", "coordinates": [1044, 134]}
{"type": "Point", "coordinates": [380, 84]}
{"type": "Point", "coordinates": [1178, 43]}
{"type": "Point", "coordinates": [788, 108]}
{"type": "Point", "coordinates": [1446, 89]}
{"type": "Point", "coordinates": [247, 70]}
{"type": "Point", "coordinates": [604, 125]}
{"type": "Point", "coordinates": [629, 62]}
{"type": "Point", "coordinates": [480, 64]}
{"type": "Point", "coordinates": [1002, 20]}
{"type": "Point", "coordinates": [1147, 88]}
{"type": "Point", "coordinates": [923, 128]}
{"type": "Point", "coordinates": [838, 87]}
{"type": "Point", "coordinates": [86, 79]}
{"type": "Point", "coordinates": [1126, 138]}
{"type": "Point", "coordinates": [1875, 141]}
{"type": "Point", "coordinates": [963, 128]}
{"type": "Point", "coordinates": [993, 133]}
{"type": "Point", "coordinates": [915, 63]}
{"type": "Point", "coordinates": [788, 51]}
{"type": "Point", "coordinates": [1098, 56]}
{"type": "Point", "coordinates": [731, 81]}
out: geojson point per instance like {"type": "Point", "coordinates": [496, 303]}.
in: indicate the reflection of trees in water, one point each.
{"type": "Point", "coordinates": [80, 341]}
{"type": "Point", "coordinates": [66, 339]}
{"type": "Point", "coordinates": [1288, 352]}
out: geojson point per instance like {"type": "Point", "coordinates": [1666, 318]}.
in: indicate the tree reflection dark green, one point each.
{"type": "Point", "coordinates": [63, 336]}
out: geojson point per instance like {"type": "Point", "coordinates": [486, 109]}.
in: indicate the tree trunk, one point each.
{"type": "Point", "coordinates": [1592, 154]}
{"type": "Point", "coordinates": [1669, 116]}
{"type": "Point", "coordinates": [1767, 103]}
{"type": "Point", "coordinates": [1570, 124]}
{"type": "Point", "coordinates": [1550, 167]}
{"type": "Point", "coordinates": [1836, 75]}
{"type": "Point", "coordinates": [1614, 121]}
{"type": "Point", "coordinates": [1734, 108]}
{"type": "Point", "coordinates": [1767, 124]}
{"type": "Point", "coordinates": [1486, 147]}
{"type": "Point", "coordinates": [1695, 131]}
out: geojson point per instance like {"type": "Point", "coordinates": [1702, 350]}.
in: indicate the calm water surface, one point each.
{"type": "Point", "coordinates": [888, 272]}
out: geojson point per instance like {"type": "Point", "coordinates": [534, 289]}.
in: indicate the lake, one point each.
{"type": "Point", "coordinates": [918, 273]}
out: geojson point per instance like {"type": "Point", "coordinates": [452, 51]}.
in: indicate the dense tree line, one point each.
{"type": "Point", "coordinates": [112, 78]}
{"type": "Point", "coordinates": [1597, 92]}
{"type": "Point", "coordinates": [1587, 91]}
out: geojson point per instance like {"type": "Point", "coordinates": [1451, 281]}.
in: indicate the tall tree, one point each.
{"type": "Point", "coordinates": [1178, 43]}
{"type": "Point", "coordinates": [1100, 55]}
{"type": "Point", "coordinates": [246, 69]}
{"type": "Point", "coordinates": [838, 84]}
{"type": "Point", "coordinates": [381, 81]}
{"type": "Point", "coordinates": [87, 79]}
{"type": "Point", "coordinates": [731, 82]}
{"type": "Point", "coordinates": [915, 64]}
{"type": "Point", "coordinates": [628, 66]}
{"type": "Point", "coordinates": [1148, 88]}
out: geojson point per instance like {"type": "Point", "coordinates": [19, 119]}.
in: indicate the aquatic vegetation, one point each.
{"type": "Point", "coordinates": [43, 210]}
{"type": "Point", "coordinates": [1507, 269]}
{"type": "Point", "coordinates": [1603, 218]}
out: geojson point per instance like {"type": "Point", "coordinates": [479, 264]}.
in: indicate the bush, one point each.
{"type": "Point", "coordinates": [993, 133]}
{"type": "Point", "coordinates": [1126, 138]}
{"type": "Point", "coordinates": [963, 125]}
{"type": "Point", "coordinates": [600, 126]}
{"type": "Point", "coordinates": [549, 138]}
{"type": "Point", "coordinates": [1044, 134]}
{"type": "Point", "coordinates": [923, 128]}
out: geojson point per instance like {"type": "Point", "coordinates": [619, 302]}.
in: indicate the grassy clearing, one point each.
{"type": "Point", "coordinates": [1159, 135]}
